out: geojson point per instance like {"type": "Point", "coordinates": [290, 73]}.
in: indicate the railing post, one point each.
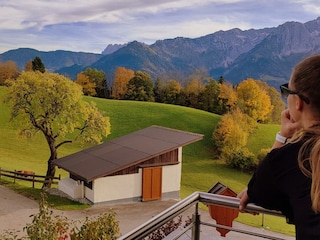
{"type": "Point", "coordinates": [32, 180]}
{"type": "Point", "coordinates": [196, 224]}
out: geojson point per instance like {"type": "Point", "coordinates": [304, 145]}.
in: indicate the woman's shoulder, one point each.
{"type": "Point", "coordinates": [290, 149]}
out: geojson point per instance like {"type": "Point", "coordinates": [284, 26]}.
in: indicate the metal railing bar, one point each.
{"type": "Point", "coordinates": [232, 202]}
{"type": "Point", "coordinates": [241, 231]}
{"type": "Point", "coordinates": [157, 221]}
{"type": "Point", "coordinates": [207, 198]}
{"type": "Point", "coordinates": [161, 221]}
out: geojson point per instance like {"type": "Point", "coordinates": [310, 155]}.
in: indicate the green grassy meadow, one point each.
{"type": "Point", "coordinates": [200, 171]}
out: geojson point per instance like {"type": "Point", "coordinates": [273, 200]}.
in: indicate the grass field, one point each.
{"type": "Point", "coordinates": [200, 171]}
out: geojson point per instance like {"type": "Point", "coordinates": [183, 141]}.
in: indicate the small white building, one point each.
{"type": "Point", "coordinates": [142, 166]}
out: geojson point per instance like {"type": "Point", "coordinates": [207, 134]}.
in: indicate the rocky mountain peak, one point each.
{"type": "Point", "coordinates": [267, 54]}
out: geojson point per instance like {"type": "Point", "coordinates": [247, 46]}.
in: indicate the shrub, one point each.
{"type": "Point", "coordinates": [47, 226]}
{"type": "Point", "coordinates": [103, 227]}
{"type": "Point", "coordinates": [11, 235]}
{"type": "Point", "coordinates": [231, 136]}
{"type": "Point", "coordinates": [233, 130]}
{"type": "Point", "coordinates": [242, 159]}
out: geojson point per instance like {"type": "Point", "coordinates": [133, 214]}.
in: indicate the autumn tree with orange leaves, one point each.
{"type": "Point", "coordinates": [120, 84]}
{"type": "Point", "coordinates": [8, 70]}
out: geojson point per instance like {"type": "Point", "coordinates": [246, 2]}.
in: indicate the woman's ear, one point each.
{"type": "Point", "coordinates": [299, 102]}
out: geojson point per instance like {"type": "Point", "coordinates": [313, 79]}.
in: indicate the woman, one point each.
{"type": "Point", "coordinates": [288, 179]}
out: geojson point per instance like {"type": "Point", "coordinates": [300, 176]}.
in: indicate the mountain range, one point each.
{"type": "Point", "coordinates": [267, 54]}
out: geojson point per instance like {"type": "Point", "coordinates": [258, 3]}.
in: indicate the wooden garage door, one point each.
{"type": "Point", "coordinates": [151, 183]}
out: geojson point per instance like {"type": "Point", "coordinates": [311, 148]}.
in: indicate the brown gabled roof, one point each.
{"type": "Point", "coordinates": [117, 154]}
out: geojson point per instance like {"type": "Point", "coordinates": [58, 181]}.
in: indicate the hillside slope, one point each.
{"type": "Point", "coordinates": [125, 117]}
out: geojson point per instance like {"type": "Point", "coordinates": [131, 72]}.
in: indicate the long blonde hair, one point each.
{"type": "Point", "coordinates": [306, 80]}
{"type": "Point", "coordinates": [309, 163]}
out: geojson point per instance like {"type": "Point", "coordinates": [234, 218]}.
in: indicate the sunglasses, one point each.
{"type": "Point", "coordinates": [285, 91]}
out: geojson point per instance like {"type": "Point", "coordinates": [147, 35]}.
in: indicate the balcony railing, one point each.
{"type": "Point", "coordinates": [193, 229]}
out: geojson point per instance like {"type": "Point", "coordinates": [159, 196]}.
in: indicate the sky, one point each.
{"type": "Point", "coordinates": [89, 26]}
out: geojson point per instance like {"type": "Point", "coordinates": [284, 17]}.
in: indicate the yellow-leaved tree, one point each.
{"type": "Point", "coordinates": [253, 100]}
{"type": "Point", "coordinates": [88, 87]}
{"type": "Point", "coordinates": [52, 104]}
{"type": "Point", "coordinates": [276, 102]}
{"type": "Point", "coordinates": [231, 136]}
{"type": "Point", "coordinates": [171, 91]}
{"type": "Point", "coordinates": [192, 90]}
{"type": "Point", "coordinates": [227, 98]}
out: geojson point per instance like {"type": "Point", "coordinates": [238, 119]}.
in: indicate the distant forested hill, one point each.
{"type": "Point", "coordinates": [53, 60]}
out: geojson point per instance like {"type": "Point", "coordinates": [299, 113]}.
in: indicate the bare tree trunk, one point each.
{"type": "Point", "coordinates": [51, 169]}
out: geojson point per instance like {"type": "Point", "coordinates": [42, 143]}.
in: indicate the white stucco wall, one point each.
{"type": "Point", "coordinates": [71, 187]}
{"type": "Point", "coordinates": [129, 186]}
{"type": "Point", "coordinates": [171, 176]}
{"type": "Point", "coordinates": [115, 187]}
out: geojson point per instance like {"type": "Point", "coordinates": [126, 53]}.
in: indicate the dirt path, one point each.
{"type": "Point", "coordinates": [15, 211]}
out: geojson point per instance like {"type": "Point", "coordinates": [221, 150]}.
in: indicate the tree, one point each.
{"type": "Point", "coordinates": [231, 132]}
{"type": "Point", "coordinates": [276, 101]}
{"type": "Point", "coordinates": [231, 136]}
{"type": "Point", "coordinates": [100, 80]}
{"type": "Point", "coordinates": [120, 83]}
{"type": "Point", "coordinates": [227, 98]}
{"type": "Point", "coordinates": [278, 105]}
{"type": "Point", "coordinates": [194, 86]}
{"type": "Point", "coordinates": [140, 87]}
{"type": "Point", "coordinates": [172, 91]}
{"type": "Point", "coordinates": [209, 97]}
{"type": "Point", "coordinates": [52, 104]}
{"type": "Point", "coordinates": [253, 101]}
{"type": "Point", "coordinates": [37, 65]}
{"type": "Point", "coordinates": [88, 87]}
{"type": "Point", "coordinates": [221, 80]}
{"type": "Point", "coordinates": [167, 91]}
{"type": "Point", "coordinates": [192, 90]}
{"type": "Point", "coordinates": [158, 90]}
{"type": "Point", "coordinates": [8, 70]}
{"type": "Point", "coordinates": [28, 66]}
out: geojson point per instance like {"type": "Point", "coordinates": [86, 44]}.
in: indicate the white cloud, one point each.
{"type": "Point", "coordinates": [80, 25]}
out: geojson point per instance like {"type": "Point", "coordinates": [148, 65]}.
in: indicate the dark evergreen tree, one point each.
{"type": "Point", "coordinates": [209, 97]}
{"type": "Point", "coordinates": [221, 80]}
{"type": "Point", "coordinates": [158, 91]}
{"type": "Point", "coordinates": [37, 65]}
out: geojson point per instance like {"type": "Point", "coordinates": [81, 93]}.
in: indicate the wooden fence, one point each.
{"type": "Point", "coordinates": [25, 175]}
